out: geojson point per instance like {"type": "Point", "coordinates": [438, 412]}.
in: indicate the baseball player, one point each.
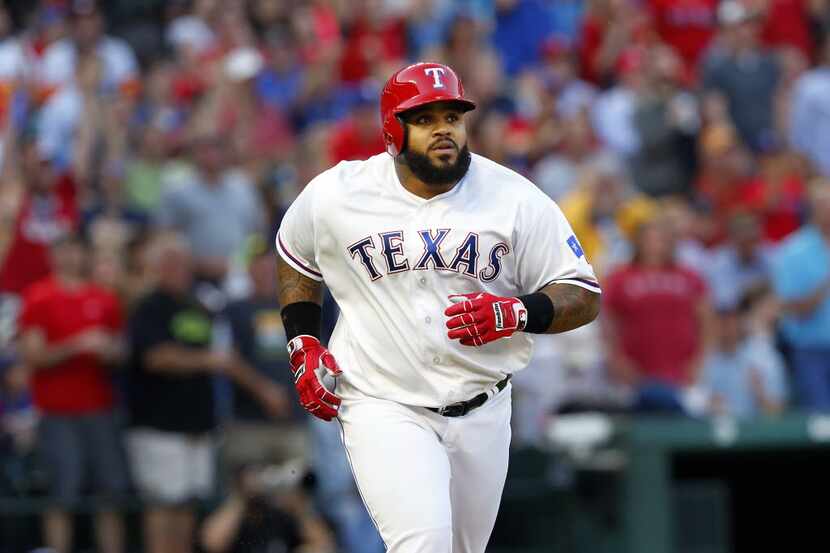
{"type": "Point", "coordinates": [444, 264]}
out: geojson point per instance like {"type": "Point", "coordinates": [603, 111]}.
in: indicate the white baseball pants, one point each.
{"type": "Point", "coordinates": [432, 484]}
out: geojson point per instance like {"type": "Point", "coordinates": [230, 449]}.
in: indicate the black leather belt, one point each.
{"type": "Point", "coordinates": [463, 407]}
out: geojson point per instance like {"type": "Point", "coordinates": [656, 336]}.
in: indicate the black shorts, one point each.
{"type": "Point", "coordinates": [83, 453]}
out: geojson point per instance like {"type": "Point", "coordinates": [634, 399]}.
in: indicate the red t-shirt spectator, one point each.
{"type": "Point", "coordinates": [347, 144]}
{"type": "Point", "coordinates": [81, 384]}
{"type": "Point", "coordinates": [686, 25]}
{"type": "Point", "coordinates": [656, 310]}
{"type": "Point", "coordinates": [39, 222]}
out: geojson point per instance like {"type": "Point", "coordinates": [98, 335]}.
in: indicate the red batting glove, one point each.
{"type": "Point", "coordinates": [309, 362]}
{"type": "Point", "coordinates": [480, 318]}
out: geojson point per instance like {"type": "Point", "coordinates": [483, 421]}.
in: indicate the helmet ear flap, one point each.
{"type": "Point", "coordinates": [405, 133]}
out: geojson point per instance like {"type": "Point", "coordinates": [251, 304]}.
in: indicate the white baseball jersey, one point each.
{"type": "Point", "coordinates": [391, 259]}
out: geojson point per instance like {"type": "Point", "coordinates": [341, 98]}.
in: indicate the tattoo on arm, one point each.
{"type": "Point", "coordinates": [293, 286]}
{"type": "Point", "coordinates": [573, 306]}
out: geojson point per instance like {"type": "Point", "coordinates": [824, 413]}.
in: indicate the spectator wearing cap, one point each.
{"type": "Point", "coordinates": [119, 67]}
{"type": "Point", "coordinates": [741, 73]}
{"type": "Point", "coordinates": [69, 335]}
{"type": "Point", "coordinates": [216, 208]}
{"type": "Point", "coordinates": [658, 321]}
{"type": "Point", "coordinates": [801, 279]}
{"type": "Point", "coordinates": [744, 374]}
{"type": "Point", "coordinates": [810, 113]}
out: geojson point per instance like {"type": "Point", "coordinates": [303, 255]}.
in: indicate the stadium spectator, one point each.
{"type": "Point", "coordinates": [657, 321]}
{"type": "Point", "coordinates": [47, 212]}
{"type": "Point", "coordinates": [666, 121]}
{"type": "Point", "coordinates": [744, 374]}
{"type": "Point", "coordinates": [171, 400]}
{"type": "Point", "coordinates": [740, 265]}
{"type": "Point", "coordinates": [801, 278]}
{"type": "Point", "coordinates": [119, 67]}
{"type": "Point", "coordinates": [268, 510]}
{"type": "Point", "coordinates": [268, 427]}
{"type": "Point", "coordinates": [810, 122]}
{"type": "Point", "coordinates": [739, 68]}
{"type": "Point", "coordinates": [173, 359]}
{"type": "Point", "coordinates": [69, 334]}
{"type": "Point", "coordinates": [613, 113]}
{"type": "Point", "coordinates": [216, 208]}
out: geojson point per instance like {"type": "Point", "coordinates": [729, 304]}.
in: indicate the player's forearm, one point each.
{"type": "Point", "coordinates": [295, 287]}
{"type": "Point", "coordinates": [573, 306]}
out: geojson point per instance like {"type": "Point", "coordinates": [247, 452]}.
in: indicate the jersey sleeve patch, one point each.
{"type": "Point", "coordinates": [575, 247]}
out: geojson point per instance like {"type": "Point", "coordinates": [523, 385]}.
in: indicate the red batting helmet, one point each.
{"type": "Point", "coordinates": [413, 86]}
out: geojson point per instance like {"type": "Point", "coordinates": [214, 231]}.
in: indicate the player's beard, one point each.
{"type": "Point", "coordinates": [433, 175]}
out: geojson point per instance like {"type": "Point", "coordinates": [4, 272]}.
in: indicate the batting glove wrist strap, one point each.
{"type": "Point", "coordinates": [479, 318]}
{"type": "Point", "coordinates": [540, 312]}
{"type": "Point", "coordinates": [309, 362]}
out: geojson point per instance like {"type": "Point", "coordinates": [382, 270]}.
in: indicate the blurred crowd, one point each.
{"type": "Point", "coordinates": [148, 150]}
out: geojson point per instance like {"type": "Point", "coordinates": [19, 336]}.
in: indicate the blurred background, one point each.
{"type": "Point", "coordinates": [148, 149]}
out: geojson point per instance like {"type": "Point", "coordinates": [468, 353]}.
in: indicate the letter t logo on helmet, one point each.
{"type": "Point", "coordinates": [436, 73]}
{"type": "Point", "coordinates": [412, 87]}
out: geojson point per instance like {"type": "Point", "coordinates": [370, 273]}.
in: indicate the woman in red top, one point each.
{"type": "Point", "coordinates": [656, 315]}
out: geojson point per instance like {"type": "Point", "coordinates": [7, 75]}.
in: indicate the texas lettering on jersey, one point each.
{"type": "Point", "coordinates": [431, 254]}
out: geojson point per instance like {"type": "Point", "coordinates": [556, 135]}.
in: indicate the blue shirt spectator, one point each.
{"type": "Point", "coordinates": [801, 267]}
{"type": "Point", "coordinates": [520, 30]}
{"type": "Point", "coordinates": [747, 379]}
{"type": "Point", "coordinates": [741, 265]}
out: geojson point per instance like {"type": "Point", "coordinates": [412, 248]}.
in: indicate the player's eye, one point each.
{"type": "Point", "coordinates": [423, 119]}
{"type": "Point", "coordinates": [452, 118]}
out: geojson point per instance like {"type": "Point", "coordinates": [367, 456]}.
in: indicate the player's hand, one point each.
{"type": "Point", "coordinates": [480, 318]}
{"type": "Point", "coordinates": [310, 361]}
